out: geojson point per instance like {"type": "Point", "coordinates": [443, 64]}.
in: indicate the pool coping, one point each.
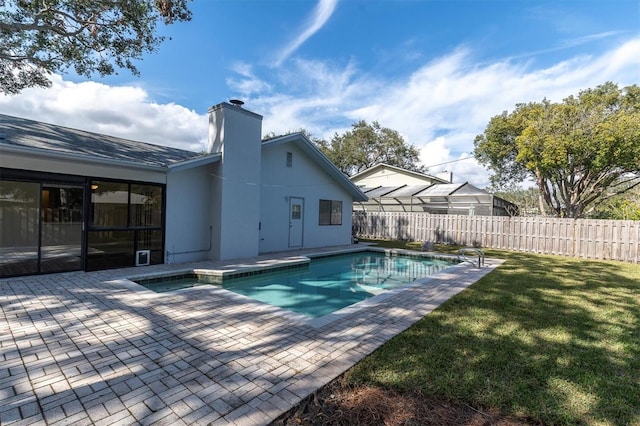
{"type": "Point", "coordinates": [243, 270]}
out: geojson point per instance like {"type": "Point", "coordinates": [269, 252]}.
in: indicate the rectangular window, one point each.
{"type": "Point", "coordinates": [330, 212]}
{"type": "Point", "coordinates": [289, 159]}
{"type": "Point", "coordinates": [296, 211]}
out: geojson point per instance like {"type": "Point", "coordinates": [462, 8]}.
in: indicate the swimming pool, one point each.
{"type": "Point", "coordinates": [322, 286]}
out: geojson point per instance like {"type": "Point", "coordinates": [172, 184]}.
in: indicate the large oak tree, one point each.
{"type": "Point", "coordinates": [366, 145]}
{"type": "Point", "coordinates": [579, 152]}
{"type": "Point", "coordinates": [40, 37]}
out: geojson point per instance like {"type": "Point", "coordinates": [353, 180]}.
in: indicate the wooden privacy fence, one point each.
{"type": "Point", "coordinates": [582, 238]}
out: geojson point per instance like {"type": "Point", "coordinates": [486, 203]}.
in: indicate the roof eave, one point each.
{"type": "Point", "coordinates": [79, 157]}
{"type": "Point", "coordinates": [195, 162]}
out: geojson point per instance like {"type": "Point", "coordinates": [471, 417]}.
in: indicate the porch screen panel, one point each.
{"type": "Point", "coordinates": [109, 204]}
{"type": "Point", "coordinates": [146, 205]}
{"type": "Point", "coordinates": [110, 249]}
{"type": "Point", "coordinates": [126, 217]}
{"type": "Point", "coordinates": [151, 240]}
{"type": "Point", "coordinates": [19, 233]}
{"type": "Point", "coordinates": [61, 227]}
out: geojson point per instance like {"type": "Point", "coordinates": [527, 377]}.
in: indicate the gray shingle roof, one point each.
{"type": "Point", "coordinates": [20, 132]}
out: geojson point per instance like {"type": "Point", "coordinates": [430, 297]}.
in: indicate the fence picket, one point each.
{"type": "Point", "coordinates": [582, 238]}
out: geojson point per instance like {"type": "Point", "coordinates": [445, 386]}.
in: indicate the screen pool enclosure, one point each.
{"type": "Point", "coordinates": [321, 286]}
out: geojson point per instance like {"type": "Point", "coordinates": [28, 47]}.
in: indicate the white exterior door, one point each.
{"type": "Point", "coordinates": [296, 219]}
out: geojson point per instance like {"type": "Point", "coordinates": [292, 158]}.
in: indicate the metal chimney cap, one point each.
{"type": "Point", "coordinates": [236, 102]}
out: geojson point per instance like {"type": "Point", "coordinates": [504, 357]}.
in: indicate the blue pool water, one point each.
{"type": "Point", "coordinates": [327, 284]}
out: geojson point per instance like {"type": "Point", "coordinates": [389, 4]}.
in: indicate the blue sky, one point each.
{"type": "Point", "coordinates": [436, 71]}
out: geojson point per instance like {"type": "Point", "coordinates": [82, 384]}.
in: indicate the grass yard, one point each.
{"type": "Point", "coordinates": [542, 339]}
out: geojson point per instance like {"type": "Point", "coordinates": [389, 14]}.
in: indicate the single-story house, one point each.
{"type": "Point", "coordinates": [393, 189]}
{"type": "Point", "coordinates": [76, 200]}
{"type": "Point", "coordinates": [386, 175]}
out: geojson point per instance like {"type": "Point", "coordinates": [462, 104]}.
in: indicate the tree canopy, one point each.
{"type": "Point", "coordinates": [366, 145]}
{"type": "Point", "coordinates": [621, 207]}
{"type": "Point", "coordinates": [526, 200]}
{"type": "Point", "coordinates": [579, 152]}
{"type": "Point", "coordinates": [39, 37]}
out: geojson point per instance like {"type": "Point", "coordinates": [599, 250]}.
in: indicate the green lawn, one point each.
{"type": "Point", "coordinates": [544, 338]}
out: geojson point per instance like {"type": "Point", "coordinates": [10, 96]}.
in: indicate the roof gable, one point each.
{"type": "Point", "coordinates": [302, 142]}
{"type": "Point", "coordinates": [383, 168]}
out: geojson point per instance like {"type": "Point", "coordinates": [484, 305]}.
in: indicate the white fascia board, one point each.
{"type": "Point", "coordinates": [79, 157]}
{"type": "Point", "coordinates": [195, 162]}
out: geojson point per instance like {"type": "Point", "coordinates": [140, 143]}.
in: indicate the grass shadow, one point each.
{"type": "Point", "coordinates": [550, 339]}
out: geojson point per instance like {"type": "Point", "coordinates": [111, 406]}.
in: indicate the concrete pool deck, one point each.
{"type": "Point", "coordinates": [93, 347]}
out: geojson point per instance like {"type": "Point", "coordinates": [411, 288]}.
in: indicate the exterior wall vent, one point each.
{"type": "Point", "coordinates": [143, 257]}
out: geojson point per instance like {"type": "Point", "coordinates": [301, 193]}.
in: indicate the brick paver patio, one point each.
{"type": "Point", "coordinates": [95, 348]}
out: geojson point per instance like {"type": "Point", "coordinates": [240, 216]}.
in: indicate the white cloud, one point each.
{"type": "Point", "coordinates": [321, 14]}
{"type": "Point", "coordinates": [435, 153]}
{"type": "Point", "coordinates": [451, 96]}
{"type": "Point", "coordinates": [315, 98]}
{"type": "Point", "coordinates": [439, 107]}
{"type": "Point", "coordinates": [124, 111]}
{"type": "Point", "coordinates": [437, 156]}
{"type": "Point", "coordinates": [569, 43]}
{"type": "Point", "coordinates": [246, 83]}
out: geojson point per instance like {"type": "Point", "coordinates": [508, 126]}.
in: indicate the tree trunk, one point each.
{"type": "Point", "coordinates": [541, 203]}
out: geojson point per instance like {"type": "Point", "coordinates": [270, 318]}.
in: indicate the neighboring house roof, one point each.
{"type": "Point", "coordinates": [436, 197]}
{"type": "Point", "coordinates": [407, 191]}
{"type": "Point", "coordinates": [435, 190]}
{"type": "Point", "coordinates": [375, 169]}
{"type": "Point", "coordinates": [442, 189]}
{"type": "Point", "coordinates": [302, 142]}
{"type": "Point", "coordinates": [20, 134]}
{"type": "Point", "coordinates": [380, 191]}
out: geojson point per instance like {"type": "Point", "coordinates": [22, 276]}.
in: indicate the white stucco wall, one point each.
{"type": "Point", "coordinates": [305, 179]}
{"type": "Point", "coordinates": [189, 215]}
